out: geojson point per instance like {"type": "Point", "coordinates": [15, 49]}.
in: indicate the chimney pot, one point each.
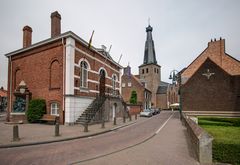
{"type": "Point", "coordinates": [27, 36]}
{"type": "Point", "coordinates": [55, 24]}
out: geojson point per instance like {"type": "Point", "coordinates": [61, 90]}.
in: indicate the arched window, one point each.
{"type": "Point", "coordinates": [114, 79]}
{"type": "Point", "coordinates": [55, 78]}
{"type": "Point", "coordinates": [83, 74]}
{"type": "Point", "coordinates": [55, 108]}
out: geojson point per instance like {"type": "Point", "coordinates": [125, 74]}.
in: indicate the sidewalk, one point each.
{"type": "Point", "coordinates": [31, 134]}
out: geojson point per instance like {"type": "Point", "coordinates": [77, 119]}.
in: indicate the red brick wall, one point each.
{"type": "Point", "coordinates": [35, 68]}
{"type": "Point", "coordinates": [220, 93]}
{"type": "Point", "coordinates": [126, 91]}
{"type": "Point", "coordinates": [94, 66]}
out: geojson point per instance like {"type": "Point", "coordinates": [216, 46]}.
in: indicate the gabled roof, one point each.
{"type": "Point", "coordinates": [60, 37]}
{"type": "Point", "coordinates": [216, 52]}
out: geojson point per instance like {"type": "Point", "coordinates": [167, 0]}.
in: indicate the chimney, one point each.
{"type": "Point", "coordinates": [55, 24]}
{"type": "Point", "coordinates": [27, 36]}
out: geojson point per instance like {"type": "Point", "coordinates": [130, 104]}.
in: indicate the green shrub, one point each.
{"type": "Point", "coordinates": [133, 99]}
{"type": "Point", "coordinates": [36, 109]}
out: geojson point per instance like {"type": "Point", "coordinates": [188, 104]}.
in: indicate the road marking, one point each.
{"type": "Point", "coordinates": [164, 124]}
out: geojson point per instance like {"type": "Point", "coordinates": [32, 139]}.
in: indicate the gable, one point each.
{"type": "Point", "coordinates": [216, 52]}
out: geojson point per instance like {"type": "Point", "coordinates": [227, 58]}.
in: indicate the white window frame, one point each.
{"type": "Point", "coordinates": [114, 81]}
{"type": "Point", "coordinates": [55, 109]}
{"type": "Point", "coordinates": [129, 84]}
{"type": "Point", "coordinates": [123, 85]}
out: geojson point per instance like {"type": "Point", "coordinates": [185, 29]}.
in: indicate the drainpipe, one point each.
{"type": "Point", "coordinates": [63, 104]}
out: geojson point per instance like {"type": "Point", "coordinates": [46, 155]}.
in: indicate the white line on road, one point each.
{"type": "Point", "coordinates": [164, 124]}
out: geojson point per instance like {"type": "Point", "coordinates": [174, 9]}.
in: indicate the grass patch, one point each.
{"type": "Point", "coordinates": [226, 133]}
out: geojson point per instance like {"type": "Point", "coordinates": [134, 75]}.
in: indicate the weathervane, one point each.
{"type": "Point", "coordinates": [208, 74]}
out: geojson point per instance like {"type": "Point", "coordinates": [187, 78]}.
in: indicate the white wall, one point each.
{"type": "Point", "coordinates": [74, 107]}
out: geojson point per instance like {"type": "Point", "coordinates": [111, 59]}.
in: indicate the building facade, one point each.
{"type": "Point", "coordinates": [131, 83]}
{"type": "Point", "coordinates": [211, 83]}
{"type": "Point", "coordinates": [64, 70]}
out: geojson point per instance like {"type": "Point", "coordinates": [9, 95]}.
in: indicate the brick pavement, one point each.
{"type": "Point", "coordinates": [169, 147]}
{"type": "Point", "coordinates": [42, 133]}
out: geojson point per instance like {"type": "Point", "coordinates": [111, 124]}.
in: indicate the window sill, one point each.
{"type": "Point", "coordinates": [86, 90]}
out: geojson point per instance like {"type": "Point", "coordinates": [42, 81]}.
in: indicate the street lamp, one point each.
{"type": "Point", "coordinates": [175, 76]}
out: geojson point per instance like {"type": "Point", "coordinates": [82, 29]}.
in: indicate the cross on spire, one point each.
{"type": "Point", "coordinates": [148, 21]}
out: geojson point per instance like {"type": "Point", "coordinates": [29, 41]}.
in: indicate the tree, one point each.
{"type": "Point", "coordinates": [133, 99]}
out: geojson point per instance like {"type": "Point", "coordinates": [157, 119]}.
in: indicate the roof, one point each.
{"type": "Point", "coordinates": [149, 52]}
{"type": "Point", "coordinates": [3, 93]}
{"type": "Point", "coordinates": [60, 37]}
{"type": "Point", "coordinates": [216, 52]}
{"type": "Point", "coordinates": [162, 83]}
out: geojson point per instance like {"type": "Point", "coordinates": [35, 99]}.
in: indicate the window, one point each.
{"type": "Point", "coordinates": [55, 77]}
{"type": "Point", "coordinates": [142, 71]}
{"type": "Point", "coordinates": [147, 70]}
{"type": "Point", "coordinates": [114, 79]}
{"type": "Point", "coordinates": [155, 70]}
{"type": "Point", "coordinates": [83, 74]}
{"type": "Point", "coordinates": [55, 109]}
{"type": "Point", "coordinates": [123, 84]}
{"type": "Point", "coordinates": [129, 84]}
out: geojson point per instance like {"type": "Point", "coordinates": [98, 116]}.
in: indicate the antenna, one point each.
{"type": "Point", "coordinates": [148, 21]}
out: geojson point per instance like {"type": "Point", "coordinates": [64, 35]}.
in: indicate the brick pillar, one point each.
{"type": "Point", "coordinates": [27, 36]}
{"type": "Point", "coordinates": [55, 24]}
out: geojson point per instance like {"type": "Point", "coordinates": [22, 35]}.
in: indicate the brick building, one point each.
{"type": "Point", "coordinates": [132, 83]}
{"type": "Point", "coordinates": [211, 83]}
{"type": "Point", "coordinates": [66, 71]}
{"type": "Point", "coordinates": [150, 77]}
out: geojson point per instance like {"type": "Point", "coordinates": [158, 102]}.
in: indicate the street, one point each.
{"type": "Point", "coordinates": [128, 145]}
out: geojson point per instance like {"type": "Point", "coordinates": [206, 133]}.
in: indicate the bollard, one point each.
{"type": "Point", "coordinates": [124, 119]}
{"type": "Point", "coordinates": [114, 121]}
{"type": "Point", "coordinates": [85, 127]}
{"type": "Point", "coordinates": [57, 129]}
{"type": "Point", "coordinates": [103, 123]}
{"type": "Point", "coordinates": [130, 117]}
{"type": "Point", "coordinates": [135, 116]}
{"type": "Point", "coordinates": [15, 133]}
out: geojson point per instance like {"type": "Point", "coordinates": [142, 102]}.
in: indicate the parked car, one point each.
{"type": "Point", "coordinates": [146, 113]}
{"type": "Point", "coordinates": [154, 112]}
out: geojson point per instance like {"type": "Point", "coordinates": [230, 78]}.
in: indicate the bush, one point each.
{"type": "Point", "coordinates": [133, 99]}
{"type": "Point", "coordinates": [36, 109]}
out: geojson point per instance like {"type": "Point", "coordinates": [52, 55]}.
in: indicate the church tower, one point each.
{"type": "Point", "coordinates": [150, 71]}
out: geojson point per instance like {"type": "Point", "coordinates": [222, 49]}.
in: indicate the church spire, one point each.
{"type": "Point", "coordinates": [149, 52]}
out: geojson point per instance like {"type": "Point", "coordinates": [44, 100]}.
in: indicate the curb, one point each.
{"type": "Point", "coordinates": [66, 139]}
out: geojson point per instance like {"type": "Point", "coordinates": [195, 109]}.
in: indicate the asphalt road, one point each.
{"type": "Point", "coordinates": [87, 150]}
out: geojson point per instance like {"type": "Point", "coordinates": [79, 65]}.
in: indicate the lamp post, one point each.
{"type": "Point", "coordinates": [175, 76]}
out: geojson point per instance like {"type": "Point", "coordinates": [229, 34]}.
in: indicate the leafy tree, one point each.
{"type": "Point", "coordinates": [133, 99]}
{"type": "Point", "coordinates": [36, 109]}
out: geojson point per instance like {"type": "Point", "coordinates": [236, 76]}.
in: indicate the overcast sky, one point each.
{"type": "Point", "coordinates": [181, 28]}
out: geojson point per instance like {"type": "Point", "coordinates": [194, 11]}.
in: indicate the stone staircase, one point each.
{"type": "Point", "coordinates": [89, 114]}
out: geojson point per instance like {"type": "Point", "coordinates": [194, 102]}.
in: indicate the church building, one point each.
{"type": "Point", "coordinates": [211, 83]}
{"type": "Point", "coordinates": [150, 77]}
{"type": "Point", "coordinates": [66, 71]}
